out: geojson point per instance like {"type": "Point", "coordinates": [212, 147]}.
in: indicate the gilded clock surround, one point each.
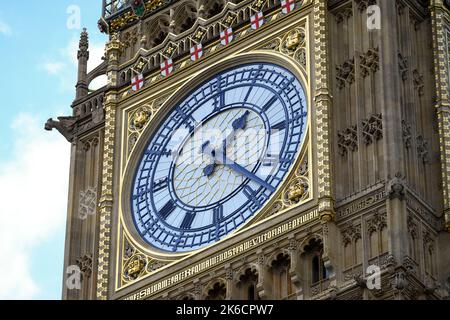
{"type": "Point", "coordinates": [298, 180]}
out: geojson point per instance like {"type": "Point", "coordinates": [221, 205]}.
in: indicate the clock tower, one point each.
{"type": "Point", "coordinates": [262, 149]}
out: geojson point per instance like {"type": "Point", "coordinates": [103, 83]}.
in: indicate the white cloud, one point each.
{"type": "Point", "coordinates": [53, 68]}
{"type": "Point", "coordinates": [33, 189]}
{"type": "Point", "coordinates": [5, 29]}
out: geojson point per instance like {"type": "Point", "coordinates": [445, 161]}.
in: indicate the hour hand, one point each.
{"type": "Point", "coordinates": [222, 159]}
{"type": "Point", "coordinates": [209, 169]}
{"type": "Point", "coordinates": [206, 149]}
{"type": "Point", "coordinates": [241, 123]}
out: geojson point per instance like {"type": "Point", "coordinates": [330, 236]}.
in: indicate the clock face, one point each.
{"type": "Point", "coordinates": [218, 157]}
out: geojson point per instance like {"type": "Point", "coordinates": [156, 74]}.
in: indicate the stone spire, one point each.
{"type": "Point", "coordinates": [83, 57]}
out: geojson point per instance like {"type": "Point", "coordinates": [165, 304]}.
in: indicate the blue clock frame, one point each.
{"type": "Point", "coordinates": [168, 222]}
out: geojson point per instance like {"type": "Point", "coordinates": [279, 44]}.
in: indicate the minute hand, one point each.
{"type": "Point", "coordinates": [239, 169]}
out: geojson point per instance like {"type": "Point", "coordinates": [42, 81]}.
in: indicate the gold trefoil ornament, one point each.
{"type": "Point", "coordinates": [296, 192]}
{"type": "Point", "coordinates": [135, 268]}
{"type": "Point", "coordinates": [140, 119]}
{"type": "Point", "coordinates": [293, 40]}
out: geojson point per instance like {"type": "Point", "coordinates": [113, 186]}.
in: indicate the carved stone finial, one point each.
{"type": "Point", "coordinates": [65, 126]}
{"type": "Point", "coordinates": [84, 45]}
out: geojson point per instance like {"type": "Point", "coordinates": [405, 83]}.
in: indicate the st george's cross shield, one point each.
{"type": "Point", "coordinates": [257, 20]}
{"type": "Point", "coordinates": [166, 67]}
{"type": "Point", "coordinates": [287, 6]}
{"type": "Point", "coordinates": [226, 36]}
{"type": "Point", "coordinates": [196, 52]}
{"type": "Point", "coordinates": [137, 82]}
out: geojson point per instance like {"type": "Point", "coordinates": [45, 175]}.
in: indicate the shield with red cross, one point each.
{"type": "Point", "coordinates": [166, 67]}
{"type": "Point", "coordinates": [196, 52]}
{"type": "Point", "coordinates": [287, 6]}
{"type": "Point", "coordinates": [137, 82]}
{"type": "Point", "coordinates": [226, 36]}
{"type": "Point", "coordinates": [257, 20]}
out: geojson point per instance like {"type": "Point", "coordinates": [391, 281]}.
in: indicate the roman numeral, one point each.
{"type": "Point", "coordinates": [189, 121]}
{"type": "Point", "coordinates": [248, 94]}
{"type": "Point", "coordinates": [280, 126]}
{"type": "Point", "coordinates": [163, 152]}
{"type": "Point", "coordinates": [167, 210]}
{"type": "Point", "coordinates": [140, 195]}
{"type": "Point", "coordinates": [251, 195]}
{"type": "Point", "coordinates": [269, 103]}
{"type": "Point", "coordinates": [219, 101]}
{"type": "Point", "coordinates": [298, 116]}
{"type": "Point", "coordinates": [217, 214]}
{"type": "Point", "coordinates": [188, 220]}
{"type": "Point", "coordinates": [160, 185]}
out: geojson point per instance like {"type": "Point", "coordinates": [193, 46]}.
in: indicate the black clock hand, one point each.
{"type": "Point", "coordinates": [238, 124]}
{"type": "Point", "coordinates": [222, 159]}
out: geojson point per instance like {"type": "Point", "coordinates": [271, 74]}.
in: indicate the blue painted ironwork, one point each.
{"type": "Point", "coordinates": [111, 7]}
{"type": "Point", "coordinates": [168, 223]}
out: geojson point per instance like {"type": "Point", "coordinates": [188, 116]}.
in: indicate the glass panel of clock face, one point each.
{"type": "Point", "coordinates": [218, 157]}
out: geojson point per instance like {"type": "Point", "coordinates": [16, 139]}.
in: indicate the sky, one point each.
{"type": "Point", "coordinates": [38, 48]}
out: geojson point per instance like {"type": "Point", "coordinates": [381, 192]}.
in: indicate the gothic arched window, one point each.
{"type": "Point", "coordinates": [217, 292]}
{"type": "Point", "coordinates": [282, 284]}
{"type": "Point", "coordinates": [247, 284]}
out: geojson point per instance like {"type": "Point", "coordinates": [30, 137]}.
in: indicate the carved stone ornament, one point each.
{"type": "Point", "coordinates": [140, 65]}
{"type": "Point", "coordinates": [406, 133]}
{"type": "Point", "coordinates": [369, 62]}
{"type": "Point", "coordinates": [376, 223]}
{"type": "Point", "coordinates": [138, 120]}
{"type": "Point", "coordinates": [297, 190]}
{"type": "Point", "coordinates": [134, 267]}
{"type": "Point", "coordinates": [351, 234]}
{"type": "Point", "coordinates": [136, 264]}
{"type": "Point", "coordinates": [412, 226]}
{"type": "Point", "coordinates": [399, 281]}
{"type": "Point", "coordinates": [422, 149]}
{"type": "Point", "coordinates": [87, 205]}
{"type": "Point", "coordinates": [348, 140]}
{"type": "Point", "coordinates": [418, 81]}
{"type": "Point", "coordinates": [293, 44]}
{"type": "Point", "coordinates": [229, 274]}
{"type": "Point", "coordinates": [396, 187]}
{"type": "Point", "coordinates": [293, 40]}
{"type": "Point", "coordinates": [345, 74]}
{"type": "Point", "coordinates": [85, 264]}
{"type": "Point", "coordinates": [65, 126]}
{"type": "Point", "coordinates": [128, 250]}
{"type": "Point", "coordinates": [388, 262]}
{"type": "Point", "coordinates": [372, 129]}
{"type": "Point", "coordinates": [363, 4]}
{"type": "Point", "coordinates": [403, 66]}
{"type": "Point", "coordinates": [344, 14]}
